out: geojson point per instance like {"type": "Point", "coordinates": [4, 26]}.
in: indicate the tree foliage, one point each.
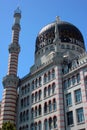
{"type": "Point", "coordinates": [8, 126]}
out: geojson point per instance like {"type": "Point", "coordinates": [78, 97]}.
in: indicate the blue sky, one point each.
{"type": "Point", "coordinates": [35, 15]}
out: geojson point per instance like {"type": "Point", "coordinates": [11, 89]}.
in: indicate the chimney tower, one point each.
{"type": "Point", "coordinates": [10, 81]}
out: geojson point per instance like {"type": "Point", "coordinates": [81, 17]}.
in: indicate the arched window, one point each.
{"type": "Point", "coordinates": [27, 115]}
{"type": "Point", "coordinates": [39, 81]}
{"type": "Point", "coordinates": [50, 123]}
{"type": "Point", "coordinates": [53, 73]}
{"type": "Point", "coordinates": [32, 126]}
{"type": "Point", "coordinates": [27, 100]}
{"type": "Point", "coordinates": [45, 78]}
{"type": "Point", "coordinates": [49, 76]}
{"type": "Point", "coordinates": [40, 109]}
{"type": "Point", "coordinates": [22, 103]}
{"type": "Point", "coordinates": [39, 94]}
{"type": "Point", "coordinates": [28, 87]}
{"type": "Point", "coordinates": [39, 126]}
{"type": "Point", "coordinates": [33, 85]}
{"type": "Point", "coordinates": [25, 89]}
{"type": "Point", "coordinates": [45, 92]}
{"type": "Point", "coordinates": [24, 116]}
{"type": "Point", "coordinates": [54, 104]}
{"type": "Point", "coordinates": [45, 107]}
{"type": "Point", "coordinates": [45, 125]}
{"type": "Point", "coordinates": [21, 117]}
{"type": "Point", "coordinates": [36, 97]}
{"type": "Point", "coordinates": [53, 88]}
{"type": "Point", "coordinates": [55, 122]}
{"type": "Point", "coordinates": [32, 113]}
{"type": "Point", "coordinates": [20, 128]}
{"type": "Point", "coordinates": [32, 98]}
{"type": "Point", "coordinates": [36, 126]}
{"type": "Point", "coordinates": [36, 83]}
{"type": "Point", "coordinates": [36, 111]}
{"type": "Point", "coordinates": [50, 106]}
{"type": "Point", "coordinates": [49, 90]}
{"type": "Point", "coordinates": [26, 127]}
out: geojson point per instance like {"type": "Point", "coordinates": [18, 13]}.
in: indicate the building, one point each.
{"type": "Point", "coordinates": [53, 95]}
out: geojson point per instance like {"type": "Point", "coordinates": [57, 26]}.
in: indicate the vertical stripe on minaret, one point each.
{"type": "Point", "coordinates": [10, 81]}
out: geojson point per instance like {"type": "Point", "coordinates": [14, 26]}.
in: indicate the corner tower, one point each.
{"type": "Point", "coordinates": [10, 81]}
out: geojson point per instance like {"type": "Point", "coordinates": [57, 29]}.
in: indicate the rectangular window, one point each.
{"type": "Point", "coordinates": [69, 118]}
{"type": "Point", "coordinates": [73, 80]}
{"type": "Point", "coordinates": [80, 115]}
{"type": "Point", "coordinates": [68, 99]}
{"type": "Point", "coordinates": [78, 96]}
{"type": "Point", "coordinates": [78, 78]}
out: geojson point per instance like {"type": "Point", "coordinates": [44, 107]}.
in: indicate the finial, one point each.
{"type": "Point", "coordinates": [57, 19]}
{"type": "Point", "coordinates": [56, 29]}
{"type": "Point", "coordinates": [17, 10]}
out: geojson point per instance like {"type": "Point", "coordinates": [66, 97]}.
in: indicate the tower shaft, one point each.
{"type": "Point", "coordinates": [10, 81]}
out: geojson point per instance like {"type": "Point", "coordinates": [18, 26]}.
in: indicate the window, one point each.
{"type": "Point", "coordinates": [53, 88]}
{"type": "Point", "coordinates": [35, 126]}
{"type": "Point", "coordinates": [32, 85]}
{"type": "Point", "coordinates": [73, 80]}
{"type": "Point", "coordinates": [40, 81]}
{"type": "Point", "coordinates": [69, 82]}
{"type": "Point", "coordinates": [65, 84]}
{"type": "Point", "coordinates": [80, 115]}
{"type": "Point", "coordinates": [68, 99]}
{"type": "Point", "coordinates": [39, 110]}
{"type": "Point", "coordinates": [55, 122]}
{"type": "Point", "coordinates": [32, 98]}
{"type": "Point", "coordinates": [45, 107]}
{"type": "Point", "coordinates": [28, 88]}
{"type": "Point", "coordinates": [45, 92]}
{"type": "Point", "coordinates": [21, 117]}
{"type": "Point", "coordinates": [36, 83]}
{"type": "Point", "coordinates": [78, 96]}
{"type": "Point", "coordinates": [22, 103]}
{"type": "Point", "coordinates": [54, 104]}
{"type": "Point", "coordinates": [32, 113]}
{"type": "Point", "coordinates": [78, 78]}
{"type": "Point", "coordinates": [36, 97]}
{"type": "Point", "coordinates": [27, 100]}
{"type": "Point", "coordinates": [24, 116]}
{"type": "Point", "coordinates": [45, 78]}
{"type": "Point", "coordinates": [69, 118]}
{"type": "Point", "coordinates": [35, 111]}
{"type": "Point", "coordinates": [45, 124]}
{"type": "Point", "coordinates": [49, 90]}
{"type": "Point", "coordinates": [53, 74]}
{"type": "Point", "coordinates": [50, 123]}
{"type": "Point", "coordinates": [39, 125]}
{"type": "Point", "coordinates": [27, 114]}
{"type": "Point", "coordinates": [49, 76]}
{"type": "Point", "coordinates": [32, 126]}
{"type": "Point", "coordinates": [50, 106]}
{"type": "Point", "coordinates": [40, 95]}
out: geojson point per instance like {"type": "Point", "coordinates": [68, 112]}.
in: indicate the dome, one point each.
{"type": "Point", "coordinates": [68, 33]}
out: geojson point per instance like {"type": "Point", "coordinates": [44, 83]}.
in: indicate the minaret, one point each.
{"type": "Point", "coordinates": [10, 81]}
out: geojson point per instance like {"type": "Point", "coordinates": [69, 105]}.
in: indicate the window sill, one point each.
{"type": "Point", "coordinates": [80, 123]}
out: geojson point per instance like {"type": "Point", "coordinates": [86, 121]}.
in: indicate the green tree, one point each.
{"type": "Point", "coordinates": [8, 126]}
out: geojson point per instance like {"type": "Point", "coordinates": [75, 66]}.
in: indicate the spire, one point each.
{"type": "Point", "coordinates": [56, 29]}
